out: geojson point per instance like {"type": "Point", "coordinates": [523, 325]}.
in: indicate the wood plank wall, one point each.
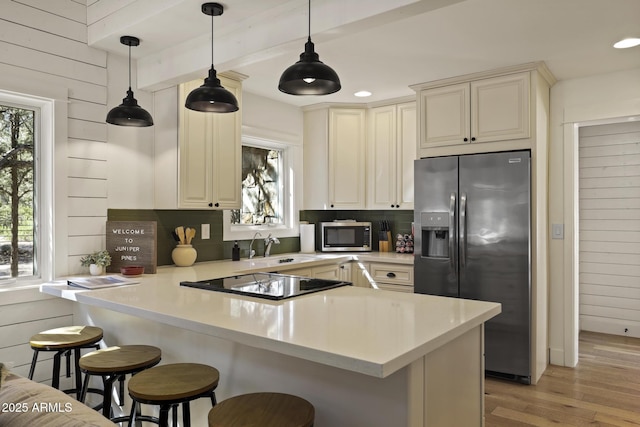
{"type": "Point", "coordinates": [610, 228]}
{"type": "Point", "coordinates": [47, 41]}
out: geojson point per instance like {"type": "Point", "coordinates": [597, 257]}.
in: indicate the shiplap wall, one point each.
{"type": "Point", "coordinates": [610, 228]}
{"type": "Point", "coordinates": [46, 41]}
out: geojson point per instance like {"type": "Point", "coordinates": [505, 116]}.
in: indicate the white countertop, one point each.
{"type": "Point", "coordinates": [374, 332]}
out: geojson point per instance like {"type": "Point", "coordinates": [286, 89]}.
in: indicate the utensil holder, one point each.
{"type": "Point", "coordinates": [184, 255]}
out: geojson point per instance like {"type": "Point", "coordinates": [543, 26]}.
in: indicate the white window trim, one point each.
{"type": "Point", "coordinates": [52, 102]}
{"type": "Point", "coordinates": [292, 185]}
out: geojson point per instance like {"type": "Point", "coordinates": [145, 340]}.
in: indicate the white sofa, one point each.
{"type": "Point", "coordinates": [30, 404]}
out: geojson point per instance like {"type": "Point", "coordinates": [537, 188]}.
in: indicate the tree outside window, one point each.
{"type": "Point", "coordinates": [261, 187]}
{"type": "Point", "coordinates": [16, 191]}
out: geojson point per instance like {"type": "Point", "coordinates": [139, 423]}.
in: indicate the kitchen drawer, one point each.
{"type": "Point", "coordinates": [396, 274]}
{"type": "Point", "coordinates": [395, 288]}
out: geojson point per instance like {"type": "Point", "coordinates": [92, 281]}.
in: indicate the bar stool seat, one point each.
{"type": "Point", "coordinates": [113, 364]}
{"type": "Point", "coordinates": [264, 410]}
{"type": "Point", "coordinates": [64, 341]}
{"type": "Point", "coordinates": [171, 385]}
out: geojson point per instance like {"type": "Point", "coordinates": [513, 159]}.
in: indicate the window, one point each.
{"type": "Point", "coordinates": [42, 126]}
{"type": "Point", "coordinates": [270, 193]}
{"type": "Point", "coordinates": [261, 187]}
{"type": "Point", "coordinates": [17, 179]}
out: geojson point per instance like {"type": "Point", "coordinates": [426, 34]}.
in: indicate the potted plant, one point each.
{"type": "Point", "coordinates": [96, 262]}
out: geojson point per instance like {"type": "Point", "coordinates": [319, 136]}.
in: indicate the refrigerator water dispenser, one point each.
{"type": "Point", "coordinates": [435, 234]}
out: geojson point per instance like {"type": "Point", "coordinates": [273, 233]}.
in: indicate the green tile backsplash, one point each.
{"type": "Point", "coordinates": [400, 220]}
{"type": "Point", "coordinates": [216, 249]}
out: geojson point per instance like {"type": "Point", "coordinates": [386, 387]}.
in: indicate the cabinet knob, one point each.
{"type": "Point", "coordinates": [473, 139]}
{"type": "Point", "coordinates": [342, 267]}
{"type": "Point", "coordinates": [391, 275]}
{"type": "Point", "coordinates": [466, 139]}
{"type": "Point", "coordinates": [331, 205]}
{"type": "Point", "coordinates": [397, 206]}
{"type": "Point", "coordinates": [210, 205]}
{"type": "Point", "coordinates": [392, 206]}
{"type": "Point", "coordinates": [217, 205]}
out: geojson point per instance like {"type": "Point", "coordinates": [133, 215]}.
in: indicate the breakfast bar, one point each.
{"type": "Point", "coordinates": [362, 357]}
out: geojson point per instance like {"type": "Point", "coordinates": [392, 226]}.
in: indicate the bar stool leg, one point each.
{"type": "Point", "coordinates": [78, 373]}
{"type": "Point", "coordinates": [186, 415]}
{"type": "Point", "coordinates": [164, 415]}
{"type": "Point", "coordinates": [55, 381]}
{"type": "Point", "coordinates": [85, 388]}
{"type": "Point", "coordinates": [34, 360]}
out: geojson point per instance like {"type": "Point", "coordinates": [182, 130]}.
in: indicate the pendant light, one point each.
{"type": "Point", "coordinates": [211, 96]}
{"type": "Point", "coordinates": [309, 76]}
{"type": "Point", "coordinates": [129, 113]}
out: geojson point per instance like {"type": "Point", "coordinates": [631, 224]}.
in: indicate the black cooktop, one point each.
{"type": "Point", "coordinates": [266, 285]}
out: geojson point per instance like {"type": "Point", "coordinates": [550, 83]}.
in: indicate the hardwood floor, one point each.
{"type": "Point", "coordinates": [603, 390]}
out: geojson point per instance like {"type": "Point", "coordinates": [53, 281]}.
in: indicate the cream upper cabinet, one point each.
{"type": "Point", "coordinates": [484, 110]}
{"type": "Point", "coordinates": [391, 150]}
{"type": "Point", "coordinates": [210, 154]}
{"type": "Point", "coordinates": [347, 158]}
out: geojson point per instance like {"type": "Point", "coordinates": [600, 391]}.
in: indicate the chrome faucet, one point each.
{"type": "Point", "coordinates": [267, 244]}
{"type": "Point", "coordinates": [251, 251]}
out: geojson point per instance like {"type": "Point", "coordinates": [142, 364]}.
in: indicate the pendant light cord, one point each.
{"type": "Point", "coordinates": [309, 17]}
{"type": "Point", "coordinates": [129, 66]}
{"type": "Point", "coordinates": [211, 40]}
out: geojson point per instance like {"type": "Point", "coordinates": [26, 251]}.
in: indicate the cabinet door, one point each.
{"type": "Point", "coordinates": [500, 108]}
{"type": "Point", "coordinates": [346, 158]}
{"type": "Point", "coordinates": [303, 272]}
{"type": "Point", "coordinates": [382, 163]}
{"type": "Point", "coordinates": [445, 115]}
{"type": "Point", "coordinates": [210, 154]}
{"type": "Point", "coordinates": [344, 272]}
{"type": "Point", "coordinates": [331, 272]}
{"type": "Point", "coordinates": [407, 136]}
{"type": "Point", "coordinates": [360, 274]}
{"type": "Point", "coordinates": [227, 154]}
{"type": "Point", "coordinates": [194, 141]}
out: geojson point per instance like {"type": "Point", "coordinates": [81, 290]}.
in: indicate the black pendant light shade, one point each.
{"type": "Point", "coordinates": [309, 76]}
{"type": "Point", "coordinates": [212, 97]}
{"type": "Point", "coordinates": [129, 113]}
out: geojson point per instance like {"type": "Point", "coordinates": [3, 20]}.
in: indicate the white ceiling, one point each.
{"type": "Point", "coordinates": [380, 46]}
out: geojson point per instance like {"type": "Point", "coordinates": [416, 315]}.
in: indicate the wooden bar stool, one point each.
{"type": "Point", "coordinates": [173, 384]}
{"type": "Point", "coordinates": [65, 340]}
{"type": "Point", "coordinates": [113, 364]}
{"type": "Point", "coordinates": [264, 410]}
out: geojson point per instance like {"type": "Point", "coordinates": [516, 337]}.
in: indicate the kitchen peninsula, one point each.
{"type": "Point", "coordinates": [363, 357]}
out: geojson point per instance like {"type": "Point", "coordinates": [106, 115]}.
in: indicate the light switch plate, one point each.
{"type": "Point", "coordinates": [205, 232]}
{"type": "Point", "coordinates": [557, 231]}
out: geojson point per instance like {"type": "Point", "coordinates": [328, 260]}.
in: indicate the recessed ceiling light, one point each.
{"type": "Point", "coordinates": [625, 43]}
{"type": "Point", "coordinates": [362, 93]}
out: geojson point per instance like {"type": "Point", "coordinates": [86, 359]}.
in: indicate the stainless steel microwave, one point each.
{"type": "Point", "coordinates": [345, 236]}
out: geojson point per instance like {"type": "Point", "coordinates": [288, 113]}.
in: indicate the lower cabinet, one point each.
{"type": "Point", "coordinates": [380, 275]}
{"type": "Point", "coordinates": [391, 277]}
{"type": "Point", "coordinates": [330, 271]}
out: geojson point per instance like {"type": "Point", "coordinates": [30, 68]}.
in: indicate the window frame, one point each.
{"type": "Point", "coordinates": [50, 134]}
{"type": "Point", "coordinates": [291, 161]}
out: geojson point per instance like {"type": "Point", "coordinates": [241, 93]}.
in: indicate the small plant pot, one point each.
{"type": "Point", "coordinates": [184, 255]}
{"type": "Point", "coordinates": [96, 270]}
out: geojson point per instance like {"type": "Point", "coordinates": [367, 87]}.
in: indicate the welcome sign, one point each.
{"type": "Point", "coordinates": [132, 243]}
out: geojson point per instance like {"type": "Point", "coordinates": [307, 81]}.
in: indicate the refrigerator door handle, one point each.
{"type": "Point", "coordinates": [463, 230]}
{"type": "Point", "coordinates": [452, 233]}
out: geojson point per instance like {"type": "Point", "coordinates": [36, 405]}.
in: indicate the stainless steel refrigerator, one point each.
{"type": "Point", "coordinates": [472, 240]}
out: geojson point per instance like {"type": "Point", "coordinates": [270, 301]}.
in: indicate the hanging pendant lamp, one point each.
{"type": "Point", "coordinates": [211, 97]}
{"type": "Point", "coordinates": [129, 113]}
{"type": "Point", "coordinates": [309, 76]}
